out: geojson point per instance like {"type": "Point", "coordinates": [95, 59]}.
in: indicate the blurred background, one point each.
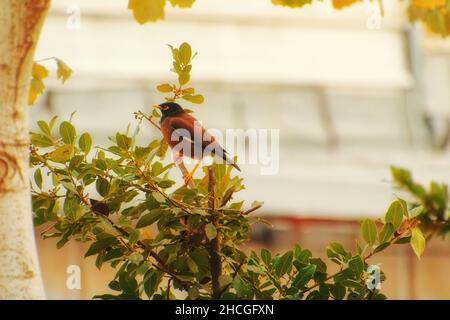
{"type": "Point", "coordinates": [349, 96]}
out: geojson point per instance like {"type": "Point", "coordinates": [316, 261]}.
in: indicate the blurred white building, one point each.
{"type": "Point", "coordinates": [348, 97]}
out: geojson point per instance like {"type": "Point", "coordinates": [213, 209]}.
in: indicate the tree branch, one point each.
{"type": "Point", "coordinates": [214, 247]}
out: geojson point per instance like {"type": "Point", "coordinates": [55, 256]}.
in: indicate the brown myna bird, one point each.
{"type": "Point", "coordinates": [186, 136]}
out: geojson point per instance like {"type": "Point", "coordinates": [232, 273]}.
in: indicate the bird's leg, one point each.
{"type": "Point", "coordinates": [188, 178]}
{"type": "Point", "coordinates": [178, 160]}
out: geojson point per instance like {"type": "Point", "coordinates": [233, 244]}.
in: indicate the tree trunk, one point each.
{"type": "Point", "coordinates": [20, 26]}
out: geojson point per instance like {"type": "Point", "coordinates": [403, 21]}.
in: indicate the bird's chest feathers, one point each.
{"type": "Point", "coordinates": [167, 130]}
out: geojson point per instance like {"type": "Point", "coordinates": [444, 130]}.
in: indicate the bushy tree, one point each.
{"type": "Point", "coordinates": [163, 237]}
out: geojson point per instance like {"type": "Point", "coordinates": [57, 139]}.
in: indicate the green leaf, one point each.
{"type": "Point", "coordinates": [193, 293]}
{"type": "Point", "coordinates": [114, 254]}
{"type": "Point", "coordinates": [123, 141]}
{"type": "Point", "coordinates": [369, 231]}
{"type": "Point", "coordinates": [128, 283]}
{"type": "Point", "coordinates": [85, 142]}
{"type": "Point", "coordinates": [404, 206]}
{"type": "Point", "coordinates": [338, 291]}
{"type": "Point", "coordinates": [395, 214]}
{"type": "Point", "coordinates": [67, 132]}
{"type": "Point", "coordinates": [224, 280]}
{"type": "Point", "coordinates": [381, 247]}
{"type": "Point", "coordinates": [38, 177]}
{"type": "Point", "coordinates": [266, 256]}
{"type": "Point", "coordinates": [75, 162]}
{"type": "Point", "coordinates": [40, 140]}
{"type": "Point", "coordinates": [69, 186]}
{"type": "Point", "coordinates": [44, 128]}
{"type": "Point", "coordinates": [417, 211]}
{"type": "Point", "coordinates": [403, 240]}
{"type": "Point", "coordinates": [386, 233]}
{"type": "Point", "coordinates": [283, 264]}
{"type": "Point", "coordinates": [417, 241]}
{"type": "Point", "coordinates": [103, 186]}
{"type": "Point", "coordinates": [192, 265]}
{"type": "Point", "coordinates": [211, 231]}
{"type": "Point", "coordinates": [255, 269]}
{"type": "Point", "coordinates": [134, 236]}
{"type": "Point", "coordinates": [149, 218]}
{"type": "Point", "coordinates": [158, 197]}
{"type": "Point", "coordinates": [304, 276]}
{"type": "Point", "coordinates": [99, 245]}
{"type": "Point", "coordinates": [53, 122]}
{"type": "Point", "coordinates": [338, 248]}
{"type": "Point", "coordinates": [150, 283]}
{"type": "Point", "coordinates": [356, 264]}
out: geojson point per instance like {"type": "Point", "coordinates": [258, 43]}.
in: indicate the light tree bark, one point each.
{"type": "Point", "coordinates": [20, 26]}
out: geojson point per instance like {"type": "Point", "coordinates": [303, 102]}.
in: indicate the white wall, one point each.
{"type": "Point", "coordinates": [259, 66]}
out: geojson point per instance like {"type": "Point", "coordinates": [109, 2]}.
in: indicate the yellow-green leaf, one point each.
{"type": "Point", "coordinates": [38, 177]}
{"type": "Point", "coordinates": [386, 233]}
{"type": "Point", "coordinates": [147, 10]}
{"type": "Point", "coordinates": [183, 78]}
{"type": "Point", "coordinates": [185, 53]}
{"type": "Point", "coordinates": [417, 242]}
{"type": "Point", "coordinates": [417, 211]}
{"type": "Point", "coordinates": [198, 98]}
{"type": "Point", "coordinates": [165, 87]}
{"type": "Point", "coordinates": [429, 4]}
{"type": "Point", "coordinates": [339, 4]}
{"type": "Point", "coordinates": [39, 71]}
{"type": "Point", "coordinates": [291, 3]}
{"type": "Point", "coordinates": [44, 128]}
{"type": "Point", "coordinates": [192, 265]}
{"type": "Point", "coordinates": [85, 142]}
{"type": "Point", "coordinates": [189, 91]}
{"type": "Point", "coordinates": [150, 218]}
{"type": "Point", "coordinates": [40, 140]}
{"type": "Point", "coordinates": [62, 154]}
{"type": "Point", "coordinates": [68, 132]}
{"type": "Point", "coordinates": [182, 3]}
{"type": "Point", "coordinates": [211, 231]}
{"type": "Point", "coordinates": [395, 214]}
{"type": "Point", "coordinates": [369, 231]}
{"type": "Point", "coordinates": [36, 89]}
{"type": "Point", "coordinates": [64, 72]}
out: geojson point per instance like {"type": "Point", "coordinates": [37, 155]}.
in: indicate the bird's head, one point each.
{"type": "Point", "coordinates": [169, 109]}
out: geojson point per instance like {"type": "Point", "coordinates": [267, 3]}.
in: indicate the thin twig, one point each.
{"type": "Point", "coordinates": [251, 210]}
{"type": "Point", "coordinates": [227, 198]}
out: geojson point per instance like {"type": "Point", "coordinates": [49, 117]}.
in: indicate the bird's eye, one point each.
{"type": "Point", "coordinates": [165, 108]}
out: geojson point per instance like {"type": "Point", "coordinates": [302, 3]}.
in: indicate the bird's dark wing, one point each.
{"type": "Point", "coordinates": [189, 129]}
{"type": "Point", "coordinates": [191, 125]}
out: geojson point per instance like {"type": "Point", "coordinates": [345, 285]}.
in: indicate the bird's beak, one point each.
{"type": "Point", "coordinates": [157, 106]}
